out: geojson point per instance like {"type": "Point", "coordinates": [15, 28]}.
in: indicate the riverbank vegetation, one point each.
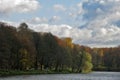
{"type": "Point", "coordinates": [22, 49]}
{"type": "Point", "coordinates": [4, 73]}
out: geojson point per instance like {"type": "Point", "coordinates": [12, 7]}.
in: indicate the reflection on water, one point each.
{"type": "Point", "coordinates": [90, 76]}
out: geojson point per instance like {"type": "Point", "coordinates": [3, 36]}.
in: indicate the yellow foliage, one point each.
{"type": "Point", "coordinates": [68, 42]}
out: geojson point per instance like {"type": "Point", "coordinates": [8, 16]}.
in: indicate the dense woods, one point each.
{"type": "Point", "coordinates": [24, 49]}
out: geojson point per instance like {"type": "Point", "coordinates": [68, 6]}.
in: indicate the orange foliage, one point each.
{"type": "Point", "coordinates": [64, 42]}
{"type": "Point", "coordinates": [60, 42]}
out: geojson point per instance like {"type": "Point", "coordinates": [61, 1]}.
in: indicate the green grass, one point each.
{"type": "Point", "coordinates": [16, 72]}
{"type": "Point", "coordinates": [31, 72]}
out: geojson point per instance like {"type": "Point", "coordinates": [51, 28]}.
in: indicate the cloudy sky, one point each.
{"type": "Point", "coordinates": [95, 23]}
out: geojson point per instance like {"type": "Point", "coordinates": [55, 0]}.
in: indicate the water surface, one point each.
{"type": "Point", "coordinates": [90, 76]}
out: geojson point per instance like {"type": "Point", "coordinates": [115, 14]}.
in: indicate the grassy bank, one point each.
{"type": "Point", "coordinates": [4, 73]}
{"type": "Point", "coordinates": [106, 69]}
{"type": "Point", "coordinates": [31, 72]}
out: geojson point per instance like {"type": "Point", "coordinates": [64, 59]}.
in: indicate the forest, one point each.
{"type": "Point", "coordinates": [24, 49]}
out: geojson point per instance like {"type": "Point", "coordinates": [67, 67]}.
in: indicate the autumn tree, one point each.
{"type": "Point", "coordinates": [23, 49]}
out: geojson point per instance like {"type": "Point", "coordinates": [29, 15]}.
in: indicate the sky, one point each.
{"type": "Point", "coordinates": [94, 23]}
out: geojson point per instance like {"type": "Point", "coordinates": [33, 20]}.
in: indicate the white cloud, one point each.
{"type": "Point", "coordinates": [37, 20]}
{"type": "Point", "coordinates": [80, 9]}
{"type": "Point", "coordinates": [72, 14]}
{"type": "Point", "coordinates": [15, 24]}
{"type": "Point", "coordinates": [55, 18]}
{"type": "Point", "coordinates": [101, 37]}
{"type": "Point", "coordinates": [100, 19]}
{"type": "Point", "coordinates": [63, 31]}
{"type": "Point", "coordinates": [59, 7]}
{"type": "Point", "coordinates": [8, 6]}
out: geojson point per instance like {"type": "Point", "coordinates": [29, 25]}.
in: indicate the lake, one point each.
{"type": "Point", "coordinates": [90, 76]}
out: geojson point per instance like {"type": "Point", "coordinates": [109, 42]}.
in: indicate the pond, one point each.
{"type": "Point", "coordinates": [90, 76]}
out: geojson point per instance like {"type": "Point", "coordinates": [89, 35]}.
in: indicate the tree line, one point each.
{"type": "Point", "coordinates": [24, 49]}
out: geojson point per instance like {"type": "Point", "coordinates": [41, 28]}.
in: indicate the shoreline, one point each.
{"type": "Point", "coordinates": [37, 72]}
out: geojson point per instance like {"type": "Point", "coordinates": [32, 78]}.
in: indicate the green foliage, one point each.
{"type": "Point", "coordinates": [25, 63]}
{"type": "Point", "coordinates": [87, 67]}
{"type": "Point", "coordinates": [86, 63]}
